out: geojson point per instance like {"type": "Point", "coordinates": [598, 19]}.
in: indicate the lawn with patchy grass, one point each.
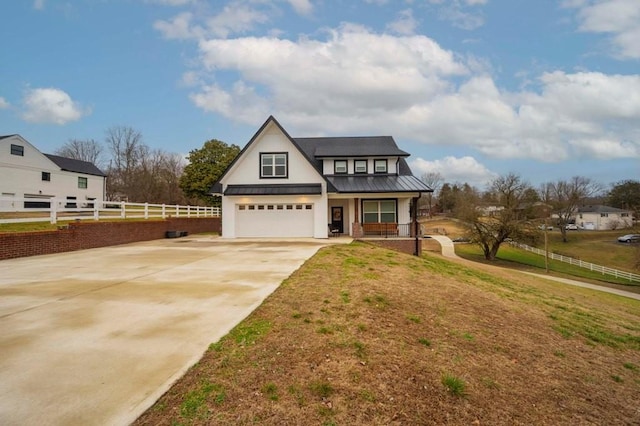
{"type": "Point", "coordinates": [367, 336]}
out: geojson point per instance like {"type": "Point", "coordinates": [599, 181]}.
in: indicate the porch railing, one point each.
{"type": "Point", "coordinates": [389, 230]}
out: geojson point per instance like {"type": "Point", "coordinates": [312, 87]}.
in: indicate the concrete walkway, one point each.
{"type": "Point", "coordinates": [94, 337]}
{"type": "Point", "coordinates": [448, 250]}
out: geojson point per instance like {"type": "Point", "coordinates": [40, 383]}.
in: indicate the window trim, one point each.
{"type": "Point", "coordinates": [273, 155]}
{"type": "Point", "coordinates": [335, 167]}
{"type": "Point", "coordinates": [366, 166]}
{"type": "Point", "coordinates": [17, 150]}
{"type": "Point", "coordinates": [85, 180]}
{"type": "Point", "coordinates": [379, 211]}
{"type": "Point", "coordinates": [379, 161]}
{"type": "Point", "coordinates": [46, 176]}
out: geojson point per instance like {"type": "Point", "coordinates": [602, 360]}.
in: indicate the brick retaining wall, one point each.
{"type": "Point", "coordinates": [404, 245]}
{"type": "Point", "coordinates": [85, 235]}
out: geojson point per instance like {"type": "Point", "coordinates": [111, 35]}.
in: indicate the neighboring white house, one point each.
{"type": "Point", "coordinates": [25, 172]}
{"type": "Point", "coordinates": [279, 186]}
{"type": "Point", "coordinates": [603, 217]}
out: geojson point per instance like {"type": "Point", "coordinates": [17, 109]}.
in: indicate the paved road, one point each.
{"type": "Point", "coordinates": [94, 337]}
{"type": "Point", "coordinates": [448, 250]}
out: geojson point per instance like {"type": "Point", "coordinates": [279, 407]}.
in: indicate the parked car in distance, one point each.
{"type": "Point", "coordinates": [572, 227]}
{"type": "Point", "coordinates": [542, 227]}
{"type": "Point", "coordinates": [629, 238]}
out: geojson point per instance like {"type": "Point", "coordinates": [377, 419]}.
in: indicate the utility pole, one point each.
{"type": "Point", "coordinates": [546, 247]}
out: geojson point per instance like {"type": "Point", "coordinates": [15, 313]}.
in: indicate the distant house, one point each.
{"type": "Point", "coordinates": [25, 172]}
{"type": "Point", "coordinates": [603, 217]}
{"type": "Point", "coordinates": [279, 186]}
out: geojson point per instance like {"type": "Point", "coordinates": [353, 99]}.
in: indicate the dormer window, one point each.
{"type": "Point", "coordinates": [380, 166]}
{"type": "Point", "coordinates": [273, 165]}
{"type": "Point", "coordinates": [340, 167]}
{"type": "Point", "coordinates": [360, 166]}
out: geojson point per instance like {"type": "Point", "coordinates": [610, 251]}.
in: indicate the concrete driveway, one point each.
{"type": "Point", "coordinates": [96, 336]}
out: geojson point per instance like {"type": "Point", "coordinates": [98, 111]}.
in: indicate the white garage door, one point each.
{"type": "Point", "coordinates": [274, 220]}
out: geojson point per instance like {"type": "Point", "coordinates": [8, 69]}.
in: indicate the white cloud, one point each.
{"type": "Point", "coordinates": [362, 82]}
{"type": "Point", "coordinates": [51, 105]}
{"type": "Point", "coordinates": [453, 169]}
{"type": "Point", "coordinates": [378, 2]}
{"type": "Point", "coordinates": [404, 24]}
{"type": "Point", "coordinates": [619, 18]}
{"type": "Point", "coordinates": [4, 104]}
{"type": "Point", "coordinates": [235, 18]}
{"type": "Point", "coordinates": [303, 7]}
{"type": "Point", "coordinates": [179, 27]}
{"type": "Point", "coordinates": [38, 4]}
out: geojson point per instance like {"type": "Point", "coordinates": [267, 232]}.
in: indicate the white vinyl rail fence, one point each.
{"type": "Point", "coordinates": [54, 210]}
{"type": "Point", "coordinates": [587, 265]}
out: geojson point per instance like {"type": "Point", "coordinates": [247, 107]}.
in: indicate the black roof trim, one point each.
{"type": "Point", "coordinates": [275, 189]}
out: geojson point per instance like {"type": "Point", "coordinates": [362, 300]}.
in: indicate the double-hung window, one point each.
{"type": "Point", "coordinates": [379, 211]}
{"type": "Point", "coordinates": [340, 167]}
{"type": "Point", "coordinates": [46, 176]}
{"type": "Point", "coordinates": [273, 165]}
{"type": "Point", "coordinates": [380, 166]}
{"type": "Point", "coordinates": [82, 183]}
{"type": "Point", "coordinates": [360, 166]}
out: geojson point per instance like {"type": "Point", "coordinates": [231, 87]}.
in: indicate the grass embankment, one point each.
{"type": "Point", "coordinates": [363, 335]}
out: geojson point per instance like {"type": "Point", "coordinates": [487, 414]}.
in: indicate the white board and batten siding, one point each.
{"type": "Point", "coordinates": [274, 216]}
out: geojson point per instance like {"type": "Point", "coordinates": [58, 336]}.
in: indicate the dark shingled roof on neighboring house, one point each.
{"type": "Point", "coordinates": [77, 166]}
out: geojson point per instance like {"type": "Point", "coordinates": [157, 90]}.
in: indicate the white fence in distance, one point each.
{"type": "Point", "coordinates": [587, 265]}
{"type": "Point", "coordinates": [54, 210]}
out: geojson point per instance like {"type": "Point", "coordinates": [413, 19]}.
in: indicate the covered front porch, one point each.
{"type": "Point", "coordinates": [384, 215]}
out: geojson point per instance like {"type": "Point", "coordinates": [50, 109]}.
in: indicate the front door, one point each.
{"type": "Point", "coordinates": [336, 218]}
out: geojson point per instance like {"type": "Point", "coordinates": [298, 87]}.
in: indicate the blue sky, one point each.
{"type": "Point", "coordinates": [471, 88]}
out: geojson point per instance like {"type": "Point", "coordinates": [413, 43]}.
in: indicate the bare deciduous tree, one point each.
{"type": "Point", "coordinates": [433, 180]}
{"type": "Point", "coordinates": [82, 149]}
{"type": "Point", "coordinates": [489, 232]}
{"type": "Point", "coordinates": [565, 196]}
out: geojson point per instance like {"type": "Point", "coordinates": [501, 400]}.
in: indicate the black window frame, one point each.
{"type": "Point", "coordinates": [17, 150]}
{"type": "Point", "coordinates": [380, 160]}
{"type": "Point", "coordinates": [273, 165]}
{"type": "Point", "coordinates": [335, 168]}
{"type": "Point", "coordinates": [85, 180]}
{"type": "Point", "coordinates": [46, 176]}
{"type": "Point", "coordinates": [366, 166]}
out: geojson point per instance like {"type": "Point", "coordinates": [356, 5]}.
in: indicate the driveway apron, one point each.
{"type": "Point", "coordinates": [94, 337]}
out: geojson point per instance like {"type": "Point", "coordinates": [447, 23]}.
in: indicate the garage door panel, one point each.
{"type": "Point", "coordinates": [274, 220]}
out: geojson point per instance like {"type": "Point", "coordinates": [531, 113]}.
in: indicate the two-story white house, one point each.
{"type": "Point", "coordinates": [279, 186]}
{"type": "Point", "coordinates": [600, 217]}
{"type": "Point", "coordinates": [27, 173]}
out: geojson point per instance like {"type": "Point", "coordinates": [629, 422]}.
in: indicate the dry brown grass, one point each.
{"type": "Point", "coordinates": [363, 335]}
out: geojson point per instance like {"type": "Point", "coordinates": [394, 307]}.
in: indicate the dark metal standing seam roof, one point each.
{"type": "Point", "coordinates": [380, 183]}
{"type": "Point", "coordinates": [275, 189]}
{"type": "Point", "coordinates": [77, 166]}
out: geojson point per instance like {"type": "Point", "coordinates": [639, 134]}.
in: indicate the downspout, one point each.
{"type": "Point", "coordinates": [415, 224]}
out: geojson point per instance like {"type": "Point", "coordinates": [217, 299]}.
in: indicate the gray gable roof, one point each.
{"type": "Point", "coordinates": [77, 166]}
{"type": "Point", "coordinates": [600, 209]}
